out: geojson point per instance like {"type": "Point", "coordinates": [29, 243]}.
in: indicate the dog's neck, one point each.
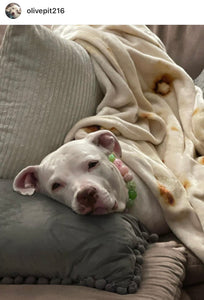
{"type": "Point", "coordinates": [128, 178]}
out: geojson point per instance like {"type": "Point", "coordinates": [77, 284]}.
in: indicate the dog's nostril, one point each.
{"type": "Point", "coordinates": [87, 196]}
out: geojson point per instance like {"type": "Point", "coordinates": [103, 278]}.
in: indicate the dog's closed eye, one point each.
{"type": "Point", "coordinates": [93, 164]}
{"type": "Point", "coordinates": [56, 186]}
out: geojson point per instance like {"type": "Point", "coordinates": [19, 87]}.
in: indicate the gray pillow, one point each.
{"type": "Point", "coordinates": [42, 241]}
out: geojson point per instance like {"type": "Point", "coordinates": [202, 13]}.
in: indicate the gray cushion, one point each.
{"type": "Point", "coordinates": [184, 44]}
{"type": "Point", "coordinates": [42, 241]}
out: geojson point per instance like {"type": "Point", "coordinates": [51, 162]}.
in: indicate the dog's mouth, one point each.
{"type": "Point", "coordinates": [98, 210]}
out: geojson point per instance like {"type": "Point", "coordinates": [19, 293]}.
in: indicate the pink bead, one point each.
{"type": "Point", "coordinates": [118, 163]}
{"type": "Point", "coordinates": [124, 170]}
{"type": "Point", "coordinates": [128, 177]}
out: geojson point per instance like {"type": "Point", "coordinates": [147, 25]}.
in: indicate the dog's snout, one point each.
{"type": "Point", "coordinates": [87, 197]}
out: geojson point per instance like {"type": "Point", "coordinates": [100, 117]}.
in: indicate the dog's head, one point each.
{"type": "Point", "coordinates": [79, 175]}
{"type": "Point", "coordinates": [13, 10]}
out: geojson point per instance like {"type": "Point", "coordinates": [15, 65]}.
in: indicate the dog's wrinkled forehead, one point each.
{"type": "Point", "coordinates": [72, 154]}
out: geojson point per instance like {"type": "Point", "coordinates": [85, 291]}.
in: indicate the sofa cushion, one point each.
{"type": "Point", "coordinates": [194, 270]}
{"type": "Point", "coordinates": [184, 44]}
{"type": "Point", "coordinates": [44, 242]}
{"type": "Point", "coordinates": [194, 266]}
{"type": "Point", "coordinates": [46, 85]}
{"type": "Point", "coordinates": [199, 81]}
{"type": "Point", "coordinates": [195, 292]}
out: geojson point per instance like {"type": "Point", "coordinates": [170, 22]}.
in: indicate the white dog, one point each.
{"type": "Point", "coordinates": [89, 176]}
{"type": "Point", "coordinates": [13, 11]}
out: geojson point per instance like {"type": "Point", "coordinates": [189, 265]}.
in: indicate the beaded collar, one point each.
{"type": "Point", "coordinates": [128, 178]}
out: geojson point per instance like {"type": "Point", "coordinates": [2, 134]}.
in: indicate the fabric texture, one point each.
{"type": "Point", "coordinates": [44, 242]}
{"type": "Point", "coordinates": [196, 292]}
{"type": "Point", "coordinates": [184, 44]}
{"type": "Point", "coordinates": [158, 114]}
{"type": "Point", "coordinates": [160, 281]}
{"type": "Point", "coordinates": [46, 85]}
{"type": "Point", "coordinates": [199, 81]}
{"type": "Point", "coordinates": [194, 267]}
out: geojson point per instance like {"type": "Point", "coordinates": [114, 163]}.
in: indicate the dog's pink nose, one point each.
{"type": "Point", "coordinates": [87, 198]}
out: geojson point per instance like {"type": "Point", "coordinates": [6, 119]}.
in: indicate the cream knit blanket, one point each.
{"type": "Point", "coordinates": [158, 115]}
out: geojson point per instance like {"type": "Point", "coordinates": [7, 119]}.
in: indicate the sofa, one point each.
{"type": "Point", "coordinates": [169, 270]}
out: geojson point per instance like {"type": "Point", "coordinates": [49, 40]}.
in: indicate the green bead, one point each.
{"type": "Point", "coordinates": [131, 185]}
{"type": "Point", "coordinates": [132, 194]}
{"type": "Point", "coordinates": [130, 203]}
{"type": "Point", "coordinates": [111, 157]}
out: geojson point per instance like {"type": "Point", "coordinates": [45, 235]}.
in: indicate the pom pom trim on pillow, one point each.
{"type": "Point", "coordinates": [129, 286]}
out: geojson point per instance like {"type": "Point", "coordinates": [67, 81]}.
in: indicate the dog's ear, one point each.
{"type": "Point", "coordinates": [26, 181]}
{"type": "Point", "coordinates": [107, 140]}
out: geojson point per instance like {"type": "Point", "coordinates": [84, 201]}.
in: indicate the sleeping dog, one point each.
{"type": "Point", "coordinates": [89, 176]}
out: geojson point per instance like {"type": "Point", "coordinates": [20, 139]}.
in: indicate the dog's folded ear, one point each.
{"type": "Point", "coordinates": [26, 181]}
{"type": "Point", "coordinates": [107, 140]}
